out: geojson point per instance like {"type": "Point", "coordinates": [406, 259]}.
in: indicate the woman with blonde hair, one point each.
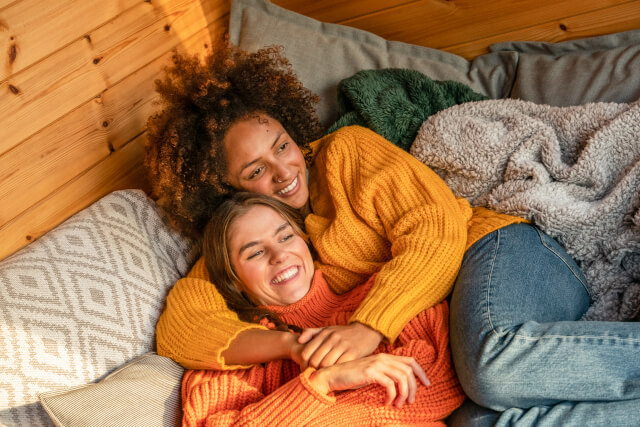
{"type": "Point", "coordinates": [256, 254]}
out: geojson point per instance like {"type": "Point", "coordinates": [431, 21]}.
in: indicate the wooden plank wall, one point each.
{"type": "Point", "coordinates": [76, 88]}
{"type": "Point", "coordinates": [76, 78]}
{"type": "Point", "coordinates": [468, 27]}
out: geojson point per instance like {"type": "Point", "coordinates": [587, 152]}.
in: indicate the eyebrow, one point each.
{"type": "Point", "coordinates": [275, 141]}
{"type": "Point", "coordinates": [256, 242]}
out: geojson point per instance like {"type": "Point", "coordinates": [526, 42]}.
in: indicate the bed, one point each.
{"type": "Point", "coordinates": [86, 267]}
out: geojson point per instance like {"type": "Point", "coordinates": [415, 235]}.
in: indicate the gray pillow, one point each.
{"type": "Point", "coordinates": [322, 54]}
{"type": "Point", "coordinates": [144, 392]}
{"type": "Point", "coordinates": [603, 68]}
{"type": "Point", "coordinates": [84, 299]}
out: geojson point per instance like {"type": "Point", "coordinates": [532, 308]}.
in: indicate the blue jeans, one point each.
{"type": "Point", "coordinates": [518, 344]}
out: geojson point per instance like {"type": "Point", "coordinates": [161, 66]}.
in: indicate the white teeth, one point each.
{"type": "Point", "coordinates": [289, 187]}
{"type": "Point", "coordinates": [288, 274]}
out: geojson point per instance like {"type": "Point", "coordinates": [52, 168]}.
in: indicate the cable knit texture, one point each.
{"type": "Point", "coordinates": [276, 393]}
{"type": "Point", "coordinates": [376, 209]}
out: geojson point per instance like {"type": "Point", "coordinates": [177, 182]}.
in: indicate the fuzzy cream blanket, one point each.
{"type": "Point", "coordinates": [573, 171]}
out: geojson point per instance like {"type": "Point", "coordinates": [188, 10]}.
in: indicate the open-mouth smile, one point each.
{"type": "Point", "coordinates": [289, 188]}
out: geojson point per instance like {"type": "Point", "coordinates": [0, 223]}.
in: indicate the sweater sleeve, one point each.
{"type": "Point", "coordinates": [196, 326]}
{"type": "Point", "coordinates": [411, 206]}
{"type": "Point", "coordinates": [236, 398]}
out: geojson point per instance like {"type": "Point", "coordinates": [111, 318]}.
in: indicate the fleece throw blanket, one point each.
{"type": "Point", "coordinates": [573, 171]}
{"type": "Point", "coordinates": [394, 102]}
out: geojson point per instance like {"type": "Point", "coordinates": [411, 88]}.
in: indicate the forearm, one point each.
{"type": "Point", "coordinates": [427, 229]}
{"type": "Point", "coordinates": [411, 288]}
{"type": "Point", "coordinates": [259, 346]}
{"type": "Point", "coordinates": [196, 325]}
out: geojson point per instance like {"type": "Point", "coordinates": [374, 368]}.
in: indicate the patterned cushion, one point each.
{"type": "Point", "coordinates": [144, 392]}
{"type": "Point", "coordinates": [84, 299]}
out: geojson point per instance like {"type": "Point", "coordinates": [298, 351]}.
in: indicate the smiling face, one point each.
{"type": "Point", "coordinates": [262, 158]}
{"type": "Point", "coordinates": [272, 262]}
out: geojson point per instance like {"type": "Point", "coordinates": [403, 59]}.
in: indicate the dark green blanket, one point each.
{"type": "Point", "coordinates": [394, 102]}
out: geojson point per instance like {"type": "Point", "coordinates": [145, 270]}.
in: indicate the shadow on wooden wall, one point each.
{"type": "Point", "coordinates": [76, 89]}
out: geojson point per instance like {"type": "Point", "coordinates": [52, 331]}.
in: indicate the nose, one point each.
{"type": "Point", "coordinates": [278, 256]}
{"type": "Point", "coordinates": [281, 173]}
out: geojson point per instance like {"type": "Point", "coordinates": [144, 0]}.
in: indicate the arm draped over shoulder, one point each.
{"type": "Point", "coordinates": [378, 209]}
{"type": "Point", "coordinates": [196, 326]}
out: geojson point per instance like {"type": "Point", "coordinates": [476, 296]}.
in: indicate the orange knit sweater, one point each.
{"type": "Point", "coordinates": [276, 393]}
{"type": "Point", "coordinates": [376, 209]}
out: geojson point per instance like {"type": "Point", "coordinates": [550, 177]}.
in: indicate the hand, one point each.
{"type": "Point", "coordinates": [325, 347]}
{"type": "Point", "coordinates": [397, 374]}
{"type": "Point", "coordinates": [295, 351]}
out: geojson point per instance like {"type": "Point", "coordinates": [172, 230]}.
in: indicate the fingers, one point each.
{"type": "Point", "coordinates": [405, 382]}
{"type": "Point", "coordinates": [397, 374]}
{"type": "Point", "coordinates": [403, 372]}
{"type": "Point", "coordinates": [346, 357]}
{"type": "Point", "coordinates": [332, 357]}
{"type": "Point", "coordinates": [390, 387]}
{"type": "Point", "coordinates": [324, 345]}
{"type": "Point", "coordinates": [307, 334]}
{"type": "Point", "coordinates": [420, 373]}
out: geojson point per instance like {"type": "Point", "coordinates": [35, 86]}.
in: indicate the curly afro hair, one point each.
{"type": "Point", "coordinates": [185, 156]}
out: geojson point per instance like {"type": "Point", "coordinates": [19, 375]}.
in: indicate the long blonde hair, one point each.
{"type": "Point", "coordinates": [215, 248]}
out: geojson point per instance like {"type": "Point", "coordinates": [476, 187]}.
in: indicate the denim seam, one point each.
{"type": "Point", "coordinates": [573, 271]}
{"type": "Point", "coordinates": [581, 337]}
{"type": "Point", "coordinates": [488, 299]}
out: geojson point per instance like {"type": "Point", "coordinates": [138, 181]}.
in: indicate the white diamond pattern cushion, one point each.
{"type": "Point", "coordinates": [84, 299]}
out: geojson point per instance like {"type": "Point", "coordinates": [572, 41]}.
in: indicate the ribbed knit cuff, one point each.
{"type": "Point", "coordinates": [212, 345]}
{"type": "Point", "coordinates": [305, 379]}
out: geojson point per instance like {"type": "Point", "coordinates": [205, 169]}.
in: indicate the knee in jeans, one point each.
{"type": "Point", "coordinates": [485, 384]}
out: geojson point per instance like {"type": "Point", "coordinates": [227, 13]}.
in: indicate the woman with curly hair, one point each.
{"type": "Point", "coordinates": [243, 121]}
{"type": "Point", "coordinates": [201, 101]}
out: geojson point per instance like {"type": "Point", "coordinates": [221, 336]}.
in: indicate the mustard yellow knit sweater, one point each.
{"type": "Point", "coordinates": [375, 208]}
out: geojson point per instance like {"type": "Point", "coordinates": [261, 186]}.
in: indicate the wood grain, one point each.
{"type": "Point", "coordinates": [337, 11]}
{"type": "Point", "coordinates": [83, 137]}
{"type": "Point", "coordinates": [468, 27]}
{"type": "Point", "coordinates": [623, 17]}
{"type": "Point", "coordinates": [37, 28]}
{"type": "Point", "coordinates": [118, 171]}
{"type": "Point", "coordinates": [41, 94]}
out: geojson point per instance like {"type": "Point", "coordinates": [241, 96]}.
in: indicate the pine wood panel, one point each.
{"type": "Point", "coordinates": [467, 27]}
{"type": "Point", "coordinates": [41, 94]}
{"type": "Point", "coordinates": [622, 17]}
{"type": "Point", "coordinates": [85, 136]}
{"type": "Point", "coordinates": [337, 11]}
{"type": "Point", "coordinates": [118, 171]}
{"type": "Point", "coordinates": [5, 3]}
{"type": "Point", "coordinates": [33, 29]}
{"type": "Point", "coordinates": [441, 24]}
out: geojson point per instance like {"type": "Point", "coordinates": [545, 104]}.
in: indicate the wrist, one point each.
{"type": "Point", "coordinates": [290, 345]}
{"type": "Point", "coordinates": [370, 330]}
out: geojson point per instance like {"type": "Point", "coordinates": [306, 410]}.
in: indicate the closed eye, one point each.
{"type": "Point", "coordinates": [255, 254]}
{"type": "Point", "coordinates": [287, 237]}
